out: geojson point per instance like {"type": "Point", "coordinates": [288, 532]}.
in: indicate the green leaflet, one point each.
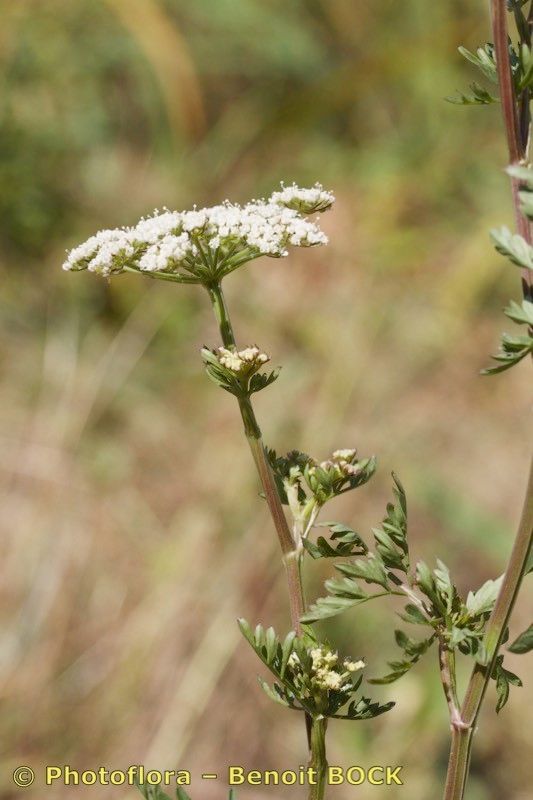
{"type": "Point", "coordinates": [344, 594]}
{"type": "Point", "coordinates": [513, 349]}
{"type": "Point", "coordinates": [482, 601]}
{"type": "Point", "coordinates": [370, 570]}
{"type": "Point", "coordinates": [478, 96]}
{"type": "Point", "coordinates": [261, 380]}
{"type": "Point", "coordinates": [523, 643]}
{"type": "Point", "coordinates": [484, 59]}
{"type": "Point", "coordinates": [413, 650]}
{"type": "Point", "coordinates": [504, 679]}
{"type": "Point", "coordinates": [513, 247]}
{"type": "Point", "coordinates": [347, 542]}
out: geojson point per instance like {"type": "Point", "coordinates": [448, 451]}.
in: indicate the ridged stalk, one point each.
{"type": "Point", "coordinates": [517, 123]}
{"type": "Point", "coordinates": [317, 761]}
{"type": "Point", "coordinates": [291, 554]}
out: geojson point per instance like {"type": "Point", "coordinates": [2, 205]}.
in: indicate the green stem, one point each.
{"type": "Point", "coordinates": [291, 555]}
{"type": "Point", "coordinates": [459, 762]}
{"type": "Point", "coordinates": [220, 308]}
{"type": "Point", "coordinates": [517, 123]}
{"type": "Point", "coordinates": [517, 139]}
{"type": "Point", "coordinates": [317, 763]}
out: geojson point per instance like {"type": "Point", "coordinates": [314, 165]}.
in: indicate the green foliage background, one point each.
{"type": "Point", "coordinates": [132, 532]}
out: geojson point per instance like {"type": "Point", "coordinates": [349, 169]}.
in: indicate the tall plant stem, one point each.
{"type": "Point", "coordinates": [463, 729]}
{"type": "Point", "coordinates": [517, 122]}
{"type": "Point", "coordinates": [516, 117]}
{"type": "Point", "coordinates": [290, 553]}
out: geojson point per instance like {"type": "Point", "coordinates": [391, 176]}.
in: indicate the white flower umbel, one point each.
{"type": "Point", "coordinates": [308, 201]}
{"type": "Point", "coordinates": [203, 245]}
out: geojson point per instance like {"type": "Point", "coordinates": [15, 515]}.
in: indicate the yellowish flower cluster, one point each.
{"type": "Point", "coordinates": [248, 360]}
{"type": "Point", "coordinates": [326, 672]}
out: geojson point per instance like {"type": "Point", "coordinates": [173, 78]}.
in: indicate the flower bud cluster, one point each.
{"type": "Point", "coordinates": [324, 673]}
{"type": "Point", "coordinates": [247, 361]}
{"type": "Point", "coordinates": [306, 484]}
{"type": "Point", "coordinates": [205, 244]}
{"type": "Point", "coordinates": [343, 463]}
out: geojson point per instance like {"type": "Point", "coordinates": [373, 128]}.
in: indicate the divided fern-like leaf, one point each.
{"type": "Point", "coordinates": [379, 568]}
{"type": "Point", "coordinates": [347, 542]}
{"type": "Point", "coordinates": [413, 649]}
{"type": "Point", "coordinates": [478, 96]}
{"type": "Point", "coordinates": [391, 538]}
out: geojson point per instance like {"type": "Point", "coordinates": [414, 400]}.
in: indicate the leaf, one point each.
{"type": "Point", "coordinates": [261, 380]}
{"type": "Point", "coordinates": [483, 59]}
{"type": "Point", "coordinates": [344, 594]}
{"type": "Point", "coordinates": [271, 644]}
{"type": "Point", "coordinates": [445, 588]}
{"type": "Point", "coordinates": [478, 97]}
{"type": "Point", "coordinates": [371, 570]}
{"type": "Point", "coordinates": [521, 173]}
{"type": "Point", "coordinates": [512, 350]}
{"type": "Point", "coordinates": [349, 543]}
{"type": "Point", "coordinates": [523, 643]}
{"type": "Point", "coordinates": [365, 709]}
{"type": "Point", "coordinates": [513, 246]}
{"type": "Point", "coordinates": [526, 60]}
{"type": "Point", "coordinates": [413, 648]}
{"type": "Point", "coordinates": [275, 692]}
{"type": "Point", "coordinates": [426, 581]}
{"type": "Point", "coordinates": [398, 670]}
{"type": "Point", "coordinates": [482, 601]}
{"type": "Point", "coordinates": [391, 538]}
{"type": "Point", "coordinates": [413, 615]}
{"type": "Point", "coordinates": [503, 679]}
{"type": "Point", "coordinates": [456, 637]}
{"type": "Point", "coordinates": [482, 655]}
{"type": "Point", "coordinates": [525, 177]}
{"type": "Point", "coordinates": [521, 314]}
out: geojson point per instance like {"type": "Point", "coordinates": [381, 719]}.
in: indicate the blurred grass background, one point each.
{"type": "Point", "coordinates": [132, 531]}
